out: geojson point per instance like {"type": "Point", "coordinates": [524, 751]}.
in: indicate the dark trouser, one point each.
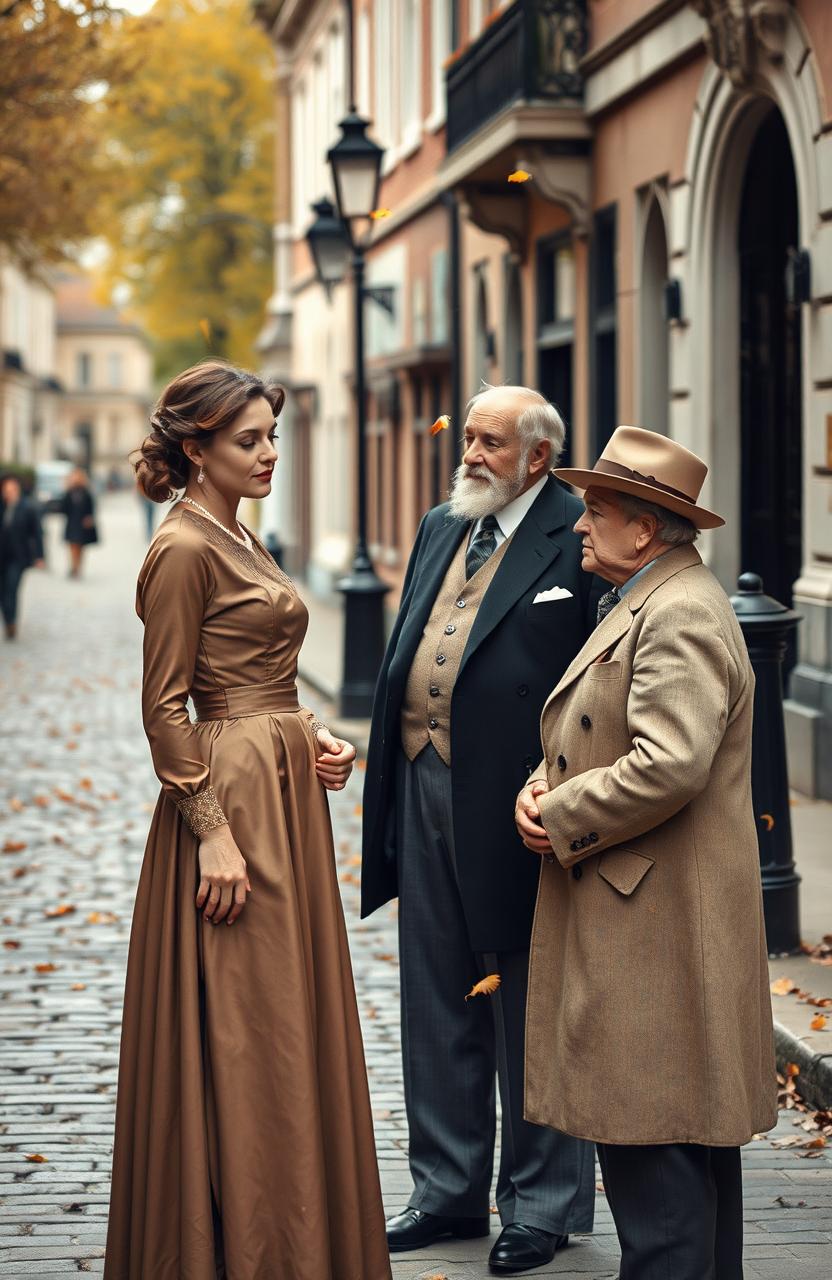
{"type": "Point", "coordinates": [453, 1049]}
{"type": "Point", "coordinates": [11, 571]}
{"type": "Point", "coordinates": [677, 1210]}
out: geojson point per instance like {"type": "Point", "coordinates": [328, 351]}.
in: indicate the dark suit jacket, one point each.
{"type": "Point", "coordinates": [516, 653]}
{"type": "Point", "coordinates": [21, 539]}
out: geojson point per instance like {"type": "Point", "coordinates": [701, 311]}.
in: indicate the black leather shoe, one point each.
{"type": "Point", "coordinates": [520, 1248]}
{"type": "Point", "coordinates": [414, 1229]}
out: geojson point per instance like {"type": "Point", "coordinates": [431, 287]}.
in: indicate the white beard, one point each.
{"type": "Point", "coordinates": [472, 498]}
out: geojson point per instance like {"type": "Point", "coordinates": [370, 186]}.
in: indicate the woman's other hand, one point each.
{"type": "Point", "coordinates": [334, 761]}
{"type": "Point", "coordinates": [527, 820]}
{"type": "Point", "coordinates": [223, 880]}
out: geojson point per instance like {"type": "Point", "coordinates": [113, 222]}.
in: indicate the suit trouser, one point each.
{"type": "Point", "coordinates": [677, 1210]}
{"type": "Point", "coordinates": [453, 1049]}
{"type": "Point", "coordinates": [11, 573]}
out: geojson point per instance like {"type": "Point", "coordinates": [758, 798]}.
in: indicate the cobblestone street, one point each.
{"type": "Point", "coordinates": [76, 791]}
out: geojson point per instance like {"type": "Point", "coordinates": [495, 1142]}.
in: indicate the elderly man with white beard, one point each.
{"type": "Point", "coordinates": [494, 607]}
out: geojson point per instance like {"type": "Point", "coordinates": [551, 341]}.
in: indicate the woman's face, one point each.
{"type": "Point", "coordinates": [239, 460]}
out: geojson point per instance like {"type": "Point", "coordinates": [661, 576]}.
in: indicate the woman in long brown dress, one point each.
{"type": "Point", "coordinates": [244, 1145]}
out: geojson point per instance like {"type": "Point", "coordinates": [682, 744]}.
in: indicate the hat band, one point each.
{"type": "Point", "coordinates": [627, 473]}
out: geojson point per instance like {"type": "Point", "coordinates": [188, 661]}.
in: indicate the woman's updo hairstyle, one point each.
{"type": "Point", "coordinates": [194, 404]}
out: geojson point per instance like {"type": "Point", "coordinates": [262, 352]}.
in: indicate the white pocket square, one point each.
{"type": "Point", "coordinates": [554, 593]}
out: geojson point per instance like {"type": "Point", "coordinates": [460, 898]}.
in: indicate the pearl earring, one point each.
{"type": "Point", "coordinates": [201, 477]}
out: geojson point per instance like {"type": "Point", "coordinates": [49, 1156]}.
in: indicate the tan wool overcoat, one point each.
{"type": "Point", "coordinates": [649, 1015]}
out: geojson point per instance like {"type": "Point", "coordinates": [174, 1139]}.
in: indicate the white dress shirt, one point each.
{"type": "Point", "coordinates": [512, 513]}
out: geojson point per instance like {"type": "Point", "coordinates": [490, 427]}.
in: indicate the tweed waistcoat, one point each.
{"type": "Point", "coordinates": [426, 710]}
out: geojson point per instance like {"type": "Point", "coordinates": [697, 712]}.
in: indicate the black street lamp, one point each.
{"type": "Point", "coordinates": [356, 169]}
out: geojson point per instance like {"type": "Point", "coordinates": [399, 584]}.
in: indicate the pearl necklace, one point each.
{"type": "Point", "coordinates": [245, 541]}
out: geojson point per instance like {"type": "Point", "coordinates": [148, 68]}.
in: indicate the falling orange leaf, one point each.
{"type": "Point", "coordinates": [519, 175]}
{"type": "Point", "coordinates": [783, 987]}
{"type": "Point", "coordinates": [205, 329]}
{"type": "Point", "coordinates": [377, 214]}
{"type": "Point", "coordinates": [62, 909]}
{"type": "Point", "coordinates": [358, 810]}
{"type": "Point", "coordinates": [46, 968]}
{"type": "Point", "coordinates": [38, 1159]}
{"type": "Point", "coordinates": [441, 424]}
{"type": "Point", "coordinates": [485, 987]}
{"type": "Point", "coordinates": [792, 1069]}
{"type": "Point", "coordinates": [14, 846]}
{"type": "Point", "coordinates": [768, 820]}
{"type": "Point", "coordinates": [818, 1022]}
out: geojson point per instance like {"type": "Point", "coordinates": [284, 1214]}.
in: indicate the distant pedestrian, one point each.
{"type": "Point", "coordinates": [149, 509]}
{"type": "Point", "coordinates": [649, 1017]}
{"type": "Point", "coordinates": [78, 505]}
{"type": "Point", "coordinates": [494, 608]}
{"type": "Point", "coordinates": [21, 545]}
{"type": "Point", "coordinates": [244, 1140]}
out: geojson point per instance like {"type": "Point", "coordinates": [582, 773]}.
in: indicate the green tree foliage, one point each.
{"type": "Point", "coordinates": [53, 59]}
{"type": "Point", "coordinates": [189, 140]}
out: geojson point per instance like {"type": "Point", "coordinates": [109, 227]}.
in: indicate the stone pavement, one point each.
{"type": "Point", "coordinates": [76, 790]}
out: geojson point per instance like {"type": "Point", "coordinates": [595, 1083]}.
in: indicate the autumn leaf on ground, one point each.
{"type": "Point", "coordinates": [519, 175]}
{"type": "Point", "coordinates": [65, 796]}
{"type": "Point", "coordinates": [11, 944]}
{"type": "Point", "coordinates": [378, 214]}
{"type": "Point", "coordinates": [79, 986]}
{"type": "Point", "coordinates": [85, 784]}
{"type": "Point", "coordinates": [441, 424]}
{"type": "Point", "coordinates": [14, 846]}
{"type": "Point", "coordinates": [42, 802]}
{"type": "Point", "coordinates": [71, 745]}
{"type": "Point", "coordinates": [46, 968]}
{"type": "Point", "coordinates": [485, 987]}
{"type": "Point", "coordinates": [15, 804]}
{"type": "Point", "coordinates": [102, 917]}
{"type": "Point", "coordinates": [38, 1159]}
{"type": "Point", "coordinates": [783, 987]}
{"type": "Point", "coordinates": [818, 1022]}
{"type": "Point", "coordinates": [62, 909]}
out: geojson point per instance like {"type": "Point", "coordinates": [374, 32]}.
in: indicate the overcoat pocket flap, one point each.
{"type": "Point", "coordinates": [624, 869]}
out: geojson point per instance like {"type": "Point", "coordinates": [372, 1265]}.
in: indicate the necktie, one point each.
{"type": "Point", "coordinates": [607, 603]}
{"type": "Point", "coordinates": [483, 546]}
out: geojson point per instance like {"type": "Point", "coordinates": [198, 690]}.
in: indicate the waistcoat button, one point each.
{"type": "Point", "coordinates": [561, 763]}
{"type": "Point", "coordinates": [433, 723]}
{"type": "Point", "coordinates": [577, 872]}
{"type": "Point", "coordinates": [434, 691]}
{"type": "Point", "coordinates": [460, 604]}
{"type": "Point", "coordinates": [450, 629]}
{"type": "Point", "coordinates": [440, 658]}
{"type": "Point", "coordinates": [586, 723]}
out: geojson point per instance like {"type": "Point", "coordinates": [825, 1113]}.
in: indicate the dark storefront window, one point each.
{"type": "Point", "coordinates": [603, 325]}
{"type": "Point", "coordinates": [556, 327]}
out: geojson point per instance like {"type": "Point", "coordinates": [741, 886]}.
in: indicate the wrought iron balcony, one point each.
{"type": "Point", "coordinates": [529, 54]}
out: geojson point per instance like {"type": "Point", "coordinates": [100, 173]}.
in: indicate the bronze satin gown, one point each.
{"type": "Point", "coordinates": [244, 1144]}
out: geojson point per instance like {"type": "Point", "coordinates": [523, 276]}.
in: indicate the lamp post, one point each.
{"type": "Point", "coordinates": [356, 168]}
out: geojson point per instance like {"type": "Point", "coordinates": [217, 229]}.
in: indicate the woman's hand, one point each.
{"type": "Point", "coordinates": [334, 760]}
{"type": "Point", "coordinates": [223, 880]}
{"type": "Point", "coordinates": [527, 820]}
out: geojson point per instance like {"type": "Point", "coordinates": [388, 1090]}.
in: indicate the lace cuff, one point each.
{"type": "Point", "coordinates": [202, 812]}
{"type": "Point", "coordinates": [315, 725]}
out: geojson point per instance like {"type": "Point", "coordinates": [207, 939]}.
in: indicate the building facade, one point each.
{"type": "Point", "coordinates": [668, 262]}
{"type": "Point", "coordinates": [28, 369]}
{"type": "Point", "coordinates": [104, 365]}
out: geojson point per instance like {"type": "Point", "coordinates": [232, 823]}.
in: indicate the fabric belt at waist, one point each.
{"type": "Point", "coordinates": [247, 700]}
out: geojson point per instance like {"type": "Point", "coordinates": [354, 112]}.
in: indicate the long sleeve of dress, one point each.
{"type": "Point", "coordinates": [175, 587]}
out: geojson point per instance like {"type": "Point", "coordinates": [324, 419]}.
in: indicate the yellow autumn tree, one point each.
{"type": "Point", "coordinates": [188, 139]}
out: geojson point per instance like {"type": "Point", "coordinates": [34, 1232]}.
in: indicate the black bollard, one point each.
{"type": "Point", "coordinates": [768, 627]}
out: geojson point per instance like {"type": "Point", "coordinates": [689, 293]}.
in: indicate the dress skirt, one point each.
{"type": "Point", "coordinates": [244, 1145]}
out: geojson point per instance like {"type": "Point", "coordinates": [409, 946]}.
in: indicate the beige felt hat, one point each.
{"type": "Point", "coordinates": [651, 467]}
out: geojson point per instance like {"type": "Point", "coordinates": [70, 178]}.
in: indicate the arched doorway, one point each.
{"type": "Point", "coordinates": [770, 365]}
{"type": "Point", "coordinates": [654, 346]}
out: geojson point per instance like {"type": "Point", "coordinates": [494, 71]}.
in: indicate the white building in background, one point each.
{"type": "Point", "coordinates": [28, 366]}
{"type": "Point", "coordinates": [105, 369]}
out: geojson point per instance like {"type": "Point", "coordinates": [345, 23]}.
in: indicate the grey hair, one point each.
{"type": "Point", "coordinates": [674, 530]}
{"type": "Point", "coordinates": [540, 421]}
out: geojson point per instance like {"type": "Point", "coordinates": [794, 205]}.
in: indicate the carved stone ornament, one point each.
{"type": "Point", "coordinates": [741, 32]}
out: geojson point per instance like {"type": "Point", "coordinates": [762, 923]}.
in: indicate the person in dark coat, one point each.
{"type": "Point", "coordinates": [494, 607]}
{"type": "Point", "coordinates": [21, 546]}
{"type": "Point", "coordinates": [79, 508]}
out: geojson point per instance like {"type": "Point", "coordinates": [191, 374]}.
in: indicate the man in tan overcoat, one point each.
{"type": "Point", "coordinates": [649, 1019]}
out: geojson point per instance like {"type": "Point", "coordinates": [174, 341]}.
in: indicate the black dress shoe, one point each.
{"type": "Point", "coordinates": [414, 1229]}
{"type": "Point", "coordinates": [520, 1248]}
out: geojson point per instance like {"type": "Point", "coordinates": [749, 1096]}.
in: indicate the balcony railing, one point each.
{"type": "Point", "coordinates": [530, 53]}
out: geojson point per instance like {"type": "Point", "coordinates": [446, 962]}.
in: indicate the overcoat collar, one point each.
{"type": "Point", "coordinates": [619, 620]}
{"type": "Point", "coordinates": [529, 554]}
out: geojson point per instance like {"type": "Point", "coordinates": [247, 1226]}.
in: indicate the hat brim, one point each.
{"type": "Point", "coordinates": [699, 516]}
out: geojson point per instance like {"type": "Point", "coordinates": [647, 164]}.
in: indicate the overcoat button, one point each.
{"type": "Point", "coordinates": [434, 691]}
{"type": "Point", "coordinates": [561, 763]}
{"type": "Point", "coordinates": [440, 658]}
{"type": "Point", "coordinates": [593, 837]}
{"type": "Point", "coordinates": [577, 872]}
{"type": "Point", "coordinates": [450, 629]}
{"type": "Point", "coordinates": [433, 723]}
{"type": "Point", "coordinates": [574, 846]}
{"type": "Point", "coordinates": [460, 604]}
{"type": "Point", "coordinates": [528, 762]}
{"type": "Point", "coordinates": [586, 723]}
{"type": "Point", "coordinates": [522, 690]}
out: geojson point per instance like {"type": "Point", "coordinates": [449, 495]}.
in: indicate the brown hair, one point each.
{"type": "Point", "coordinates": [196, 403]}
